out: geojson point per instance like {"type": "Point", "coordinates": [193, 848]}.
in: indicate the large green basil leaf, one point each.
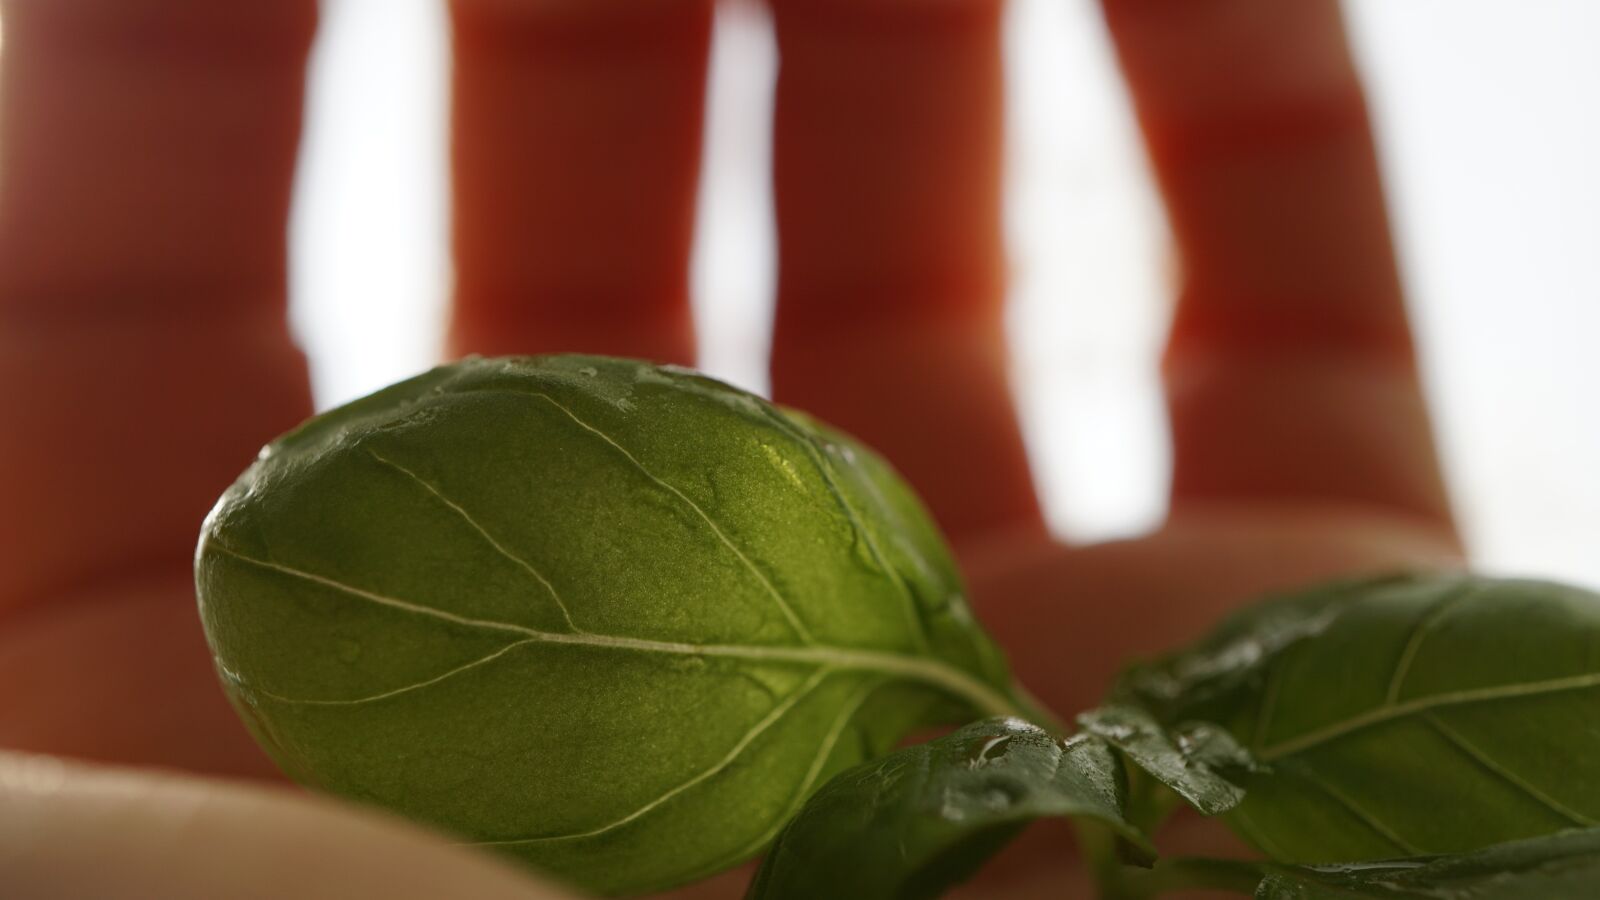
{"type": "Point", "coordinates": [1556, 867]}
{"type": "Point", "coordinates": [613, 619]}
{"type": "Point", "coordinates": [1400, 717]}
{"type": "Point", "coordinates": [922, 819]}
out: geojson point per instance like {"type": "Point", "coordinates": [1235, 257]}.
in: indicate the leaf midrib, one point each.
{"type": "Point", "coordinates": [1418, 705]}
{"type": "Point", "coordinates": [954, 681]}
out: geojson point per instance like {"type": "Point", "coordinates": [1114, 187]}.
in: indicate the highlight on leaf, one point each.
{"type": "Point", "coordinates": [1189, 763]}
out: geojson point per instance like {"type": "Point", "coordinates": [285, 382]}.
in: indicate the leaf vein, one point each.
{"type": "Point", "coordinates": [1482, 758]}
{"type": "Point", "coordinates": [1419, 636]}
{"type": "Point", "coordinates": [749, 737]}
{"type": "Point", "coordinates": [379, 599]}
{"type": "Point", "coordinates": [799, 627]}
{"type": "Point", "coordinates": [1377, 825]}
{"type": "Point", "coordinates": [818, 762]}
{"type": "Point", "coordinates": [358, 701]}
{"type": "Point", "coordinates": [984, 698]}
{"type": "Point", "coordinates": [467, 517]}
{"type": "Point", "coordinates": [1390, 712]}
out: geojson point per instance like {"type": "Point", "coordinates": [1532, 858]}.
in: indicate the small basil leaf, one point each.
{"type": "Point", "coordinates": [1402, 717]}
{"type": "Point", "coordinates": [615, 620]}
{"type": "Point", "coordinates": [1562, 866]}
{"type": "Point", "coordinates": [925, 818]}
{"type": "Point", "coordinates": [1187, 762]}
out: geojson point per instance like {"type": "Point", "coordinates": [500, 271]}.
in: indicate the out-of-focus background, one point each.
{"type": "Point", "coordinates": [1489, 120]}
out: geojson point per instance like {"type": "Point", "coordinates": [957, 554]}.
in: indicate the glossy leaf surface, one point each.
{"type": "Point", "coordinates": [1186, 762]}
{"type": "Point", "coordinates": [925, 818]}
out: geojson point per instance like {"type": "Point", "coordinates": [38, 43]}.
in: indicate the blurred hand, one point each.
{"type": "Point", "coordinates": [145, 169]}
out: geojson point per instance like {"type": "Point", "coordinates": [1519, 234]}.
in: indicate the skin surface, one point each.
{"type": "Point", "coordinates": [146, 168]}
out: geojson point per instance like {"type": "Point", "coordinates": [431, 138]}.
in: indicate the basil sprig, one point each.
{"type": "Point", "coordinates": [1420, 736]}
{"type": "Point", "coordinates": [633, 627]}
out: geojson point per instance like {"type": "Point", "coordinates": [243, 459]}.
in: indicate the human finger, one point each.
{"type": "Point", "coordinates": [576, 133]}
{"type": "Point", "coordinates": [1291, 371]}
{"type": "Point", "coordinates": [145, 167]}
{"type": "Point", "coordinates": [73, 831]}
{"type": "Point", "coordinates": [148, 153]}
{"type": "Point", "coordinates": [887, 156]}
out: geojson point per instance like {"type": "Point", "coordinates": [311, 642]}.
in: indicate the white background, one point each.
{"type": "Point", "coordinates": [1489, 113]}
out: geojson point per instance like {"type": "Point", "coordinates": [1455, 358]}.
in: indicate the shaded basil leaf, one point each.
{"type": "Point", "coordinates": [1214, 678]}
{"type": "Point", "coordinates": [1554, 867]}
{"type": "Point", "coordinates": [1400, 717]}
{"type": "Point", "coordinates": [925, 818]}
{"type": "Point", "coordinates": [615, 620]}
{"type": "Point", "coordinates": [1187, 762]}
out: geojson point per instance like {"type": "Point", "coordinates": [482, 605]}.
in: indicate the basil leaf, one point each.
{"type": "Point", "coordinates": [1186, 762]}
{"type": "Point", "coordinates": [1555, 867]}
{"type": "Point", "coordinates": [925, 818]}
{"type": "Point", "coordinates": [616, 620]}
{"type": "Point", "coordinates": [1216, 677]}
{"type": "Point", "coordinates": [1400, 717]}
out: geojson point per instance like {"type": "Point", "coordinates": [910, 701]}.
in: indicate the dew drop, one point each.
{"type": "Point", "coordinates": [989, 751]}
{"type": "Point", "coordinates": [1001, 796]}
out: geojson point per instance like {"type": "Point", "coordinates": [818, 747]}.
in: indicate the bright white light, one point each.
{"type": "Point", "coordinates": [1089, 299]}
{"type": "Point", "coordinates": [733, 279]}
{"type": "Point", "coordinates": [370, 269]}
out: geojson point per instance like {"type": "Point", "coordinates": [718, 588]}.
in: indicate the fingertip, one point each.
{"type": "Point", "coordinates": [75, 831]}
